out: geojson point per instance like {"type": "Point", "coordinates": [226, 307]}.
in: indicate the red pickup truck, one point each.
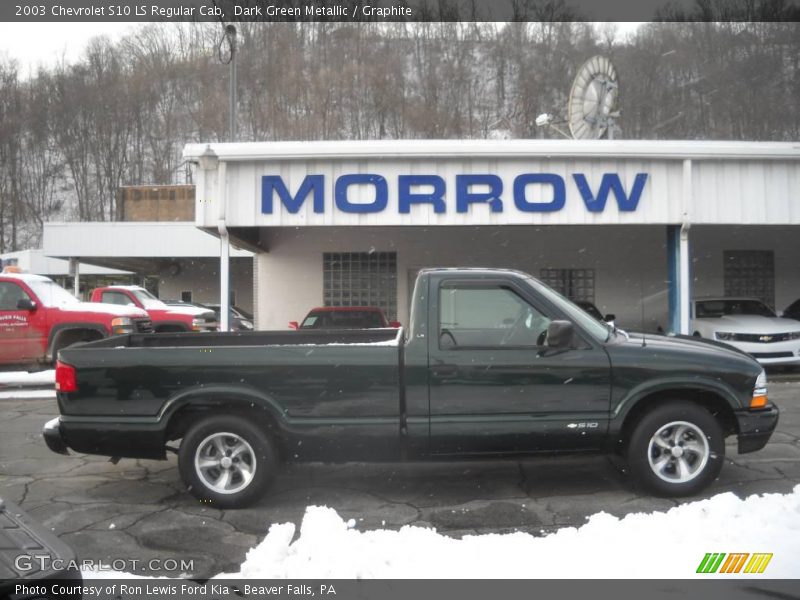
{"type": "Point", "coordinates": [38, 318]}
{"type": "Point", "coordinates": [164, 318]}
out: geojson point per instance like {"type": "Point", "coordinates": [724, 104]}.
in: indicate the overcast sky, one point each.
{"type": "Point", "coordinates": [45, 43]}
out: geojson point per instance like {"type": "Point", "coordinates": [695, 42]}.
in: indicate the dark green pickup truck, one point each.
{"type": "Point", "coordinates": [494, 363]}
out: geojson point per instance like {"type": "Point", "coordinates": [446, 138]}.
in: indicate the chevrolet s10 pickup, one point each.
{"type": "Point", "coordinates": [493, 364]}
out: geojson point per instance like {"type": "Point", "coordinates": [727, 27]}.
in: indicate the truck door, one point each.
{"type": "Point", "coordinates": [494, 386]}
{"type": "Point", "coordinates": [22, 332]}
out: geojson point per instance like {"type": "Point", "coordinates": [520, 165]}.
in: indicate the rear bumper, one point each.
{"type": "Point", "coordinates": [756, 427]}
{"type": "Point", "coordinates": [52, 436]}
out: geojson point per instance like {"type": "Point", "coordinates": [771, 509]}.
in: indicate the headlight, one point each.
{"type": "Point", "coordinates": [760, 391]}
{"type": "Point", "coordinates": [723, 336]}
{"type": "Point", "coordinates": [795, 335]}
{"type": "Point", "coordinates": [121, 325]}
{"type": "Point", "coordinates": [197, 324]}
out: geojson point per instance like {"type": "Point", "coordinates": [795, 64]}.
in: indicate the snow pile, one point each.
{"type": "Point", "coordinates": [657, 545]}
{"type": "Point", "coordinates": [22, 378]}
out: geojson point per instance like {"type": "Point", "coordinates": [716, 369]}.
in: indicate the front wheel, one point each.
{"type": "Point", "coordinates": [227, 461]}
{"type": "Point", "coordinates": [676, 450]}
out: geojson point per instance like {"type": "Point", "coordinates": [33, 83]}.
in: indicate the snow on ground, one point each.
{"type": "Point", "coordinates": [12, 381]}
{"type": "Point", "coordinates": [656, 545]}
{"type": "Point", "coordinates": [667, 545]}
{"type": "Point", "coordinates": [22, 378]}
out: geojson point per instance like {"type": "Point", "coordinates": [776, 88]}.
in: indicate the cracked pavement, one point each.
{"type": "Point", "coordinates": [139, 509]}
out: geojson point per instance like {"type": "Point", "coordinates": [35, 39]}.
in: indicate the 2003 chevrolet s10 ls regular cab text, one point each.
{"type": "Point", "coordinates": [494, 363]}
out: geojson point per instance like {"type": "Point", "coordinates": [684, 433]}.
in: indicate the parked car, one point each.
{"type": "Point", "coordinates": [345, 317]}
{"type": "Point", "coordinates": [240, 320]}
{"type": "Point", "coordinates": [38, 318]}
{"type": "Point", "coordinates": [749, 325]}
{"type": "Point", "coordinates": [461, 383]}
{"type": "Point", "coordinates": [165, 318]}
{"type": "Point", "coordinates": [792, 311]}
{"type": "Point", "coordinates": [590, 308]}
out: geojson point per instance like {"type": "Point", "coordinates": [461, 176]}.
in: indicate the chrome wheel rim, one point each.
{"type": "Point", "coordinates": [225, 463]}
{"type": "Point", "coordinates": [678, 452]}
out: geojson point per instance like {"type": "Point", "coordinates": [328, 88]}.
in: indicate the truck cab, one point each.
{"type": "Point", "coordinates": [165, 318]}
{"type": "Point", "coordinates": [38, 317]}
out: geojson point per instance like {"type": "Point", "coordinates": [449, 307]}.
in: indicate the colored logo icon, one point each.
{"type": "Point", "coordinates": [719, 562]}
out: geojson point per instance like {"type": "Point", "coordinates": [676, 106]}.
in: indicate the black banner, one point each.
{"type": "Point", "coordinates": [749, 588]}
{"type": "Point", "coordinates": [398, 10]}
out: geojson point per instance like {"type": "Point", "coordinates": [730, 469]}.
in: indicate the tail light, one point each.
{"type": "Point", "coordinates": [66, 381]}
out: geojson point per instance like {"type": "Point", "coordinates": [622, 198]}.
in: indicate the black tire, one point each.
{"type": "Point", "coordinates": [681, 472]}
{"type": "Point", "coordinates": [255, 460]}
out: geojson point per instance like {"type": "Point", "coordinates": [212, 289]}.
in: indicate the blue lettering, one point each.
{"type": "Point", "coordinates": [274, 183]}
{"type": "Point", "coordinates": [377, 205]}
{"type": "Point", "coordinates": [405, 197]}
{"type": "Point", "coordinates": [559, 192]}
{"type": "Point", "coordinates": [464, 197]}
{"type": "Point", "coordinates": [610, 182]}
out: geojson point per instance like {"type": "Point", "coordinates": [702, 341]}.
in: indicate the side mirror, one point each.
{"type": "Point", "coordinates": [395, 324]}
{"type": "Point", "coordinates": [294, 325]}
{"type": "Point", "coordinates": [559, 334]}
{"type": "Point", "coordinates": [609, 318]}
{"type": "Point", "coordinates": [26, 304]}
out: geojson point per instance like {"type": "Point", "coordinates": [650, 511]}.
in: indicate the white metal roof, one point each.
{"type": "Point", "coordinates": [640, 149]}
{"type": "Point", "coordinates": [131, 239]}
{"type": "Point", "coordinates": [35, 261]}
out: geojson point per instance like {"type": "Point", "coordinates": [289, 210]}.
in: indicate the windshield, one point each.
{"type": "Point", "coordinates": [51, 294]}
{"type": "Point", "coordinates": [147, 299]}
{"type": "Point", "coordinates": [599, 331]}
{"type": "Point", "coordinates": [714, 309]}
{"type": "Point", "coordinates": [350, 319]}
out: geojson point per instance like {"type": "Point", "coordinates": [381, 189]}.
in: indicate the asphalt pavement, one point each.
{"type": "Point", "coordinates": [138, 509]}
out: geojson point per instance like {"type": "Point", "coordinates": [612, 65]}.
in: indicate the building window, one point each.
{"type": "Point", "coordinates": [750, 274]}
{"type": "Point", "coordinates": [575, 284]}
{"type": "Point", "coordinates": [361, 279]}
{"type": "Point", "coordinates": [186, 296]}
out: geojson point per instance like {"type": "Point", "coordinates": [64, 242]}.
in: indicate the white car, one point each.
{"type": "Point", "coordinates": [749, 325]}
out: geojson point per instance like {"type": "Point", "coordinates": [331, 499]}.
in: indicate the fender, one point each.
{"type": "Point", "coordinates": [647, 388]}
{"type": "Point", "coordinates": [217, 395]}
{"type": "Point", "coordinates": [57, 330]}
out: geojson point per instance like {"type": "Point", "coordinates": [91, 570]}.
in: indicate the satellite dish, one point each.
{"type": "Point", "coordinates": [592, 104]}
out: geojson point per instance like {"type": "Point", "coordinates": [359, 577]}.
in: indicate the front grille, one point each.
{"type": "Point", "coordinates": [771, 354]}
{"type": "Point", "coordinates": [762, 338]}
{"type": "Point", "coordinates": [144, 325]}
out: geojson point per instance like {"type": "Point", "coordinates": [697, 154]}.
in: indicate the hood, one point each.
{"type": "Point", "coordinates": [751, 324]}
{"type": "Point", "coordinates": [115, 310]}
{"type": "Point", "coordinates": [686, 345]}
{"type": "Point", "coordinates": [192, 311]}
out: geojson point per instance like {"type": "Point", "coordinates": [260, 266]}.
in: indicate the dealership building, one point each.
{"type": "Point", "coordinates": [636, 227]}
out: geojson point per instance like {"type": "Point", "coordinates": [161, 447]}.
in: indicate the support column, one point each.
{"type": "Point", "coordinates": [679, 279]}
{"type": "Point", "coordinates": [75, 271]}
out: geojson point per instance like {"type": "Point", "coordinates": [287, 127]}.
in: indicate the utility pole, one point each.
{"type": "Point", "coordinates": [225, 244]}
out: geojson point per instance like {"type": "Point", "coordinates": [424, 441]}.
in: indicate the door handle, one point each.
{"type": "Point", "coordinates": [445, 371]}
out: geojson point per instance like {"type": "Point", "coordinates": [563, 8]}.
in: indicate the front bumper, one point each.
{"type": "Point", "coordinates": [756, 427]}
{"type": "Point", "coordinates": [775, 353]}
{"type": "Point", "coordinates": [52, 436]}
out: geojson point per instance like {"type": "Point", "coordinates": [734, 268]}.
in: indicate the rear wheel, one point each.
{"type": "Point", "coordinates": [226, 461]}
{"type": "Point", "coordinates": [676, 450]}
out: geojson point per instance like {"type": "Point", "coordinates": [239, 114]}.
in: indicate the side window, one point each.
{"type": "Point", "coordinates": [115, 298]}
{"type": "Point", "coordinates": [488, 317]}
{"type": "Point", "coordinates": [10, 294]}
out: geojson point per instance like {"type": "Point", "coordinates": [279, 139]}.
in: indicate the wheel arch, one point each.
{"type": "Point", "coordinates": [73, 331]}
{"type": "Point", "coordinates": [713, 400]}
{"type": "Point", "coordinates": [184, 409]}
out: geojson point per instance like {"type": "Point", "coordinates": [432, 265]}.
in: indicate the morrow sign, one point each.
{"type": "Point", "coordinates": [529, 193]}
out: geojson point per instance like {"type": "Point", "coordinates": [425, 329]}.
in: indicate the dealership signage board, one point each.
{"type": "Point", "coordinates": [469, 183]}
